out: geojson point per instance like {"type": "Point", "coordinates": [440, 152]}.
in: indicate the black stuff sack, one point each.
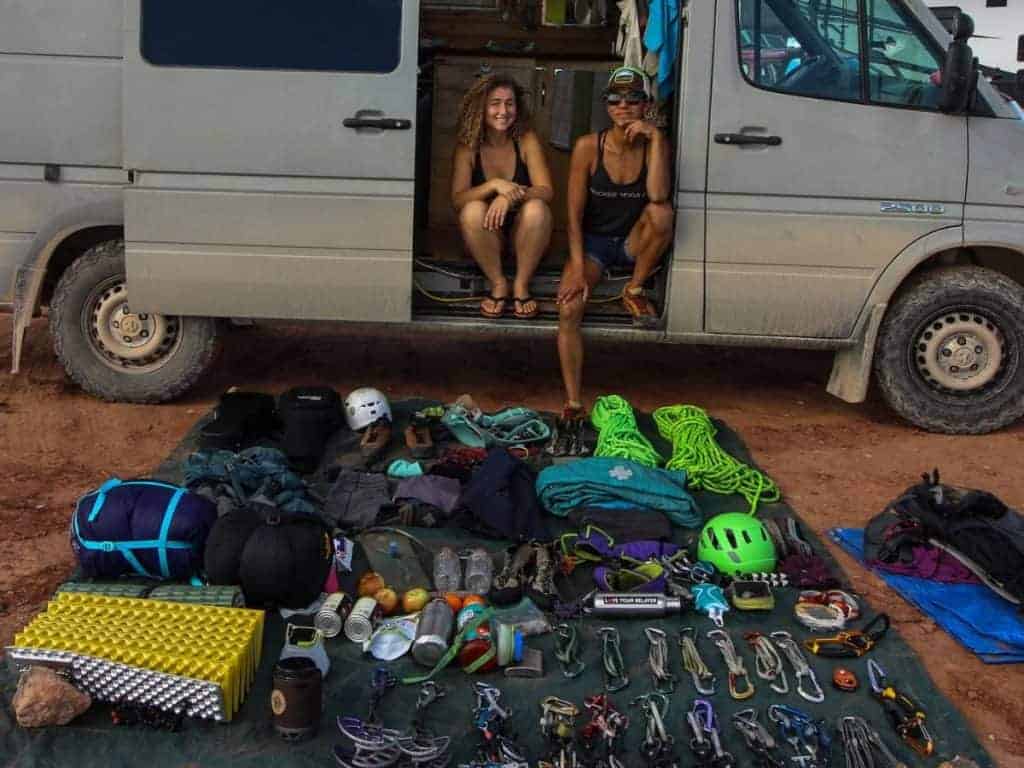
{"type": "Point", "coordinates": [309, 416]}
{"type": "Point", "coordinates": [501, 500]}
{"type": "Point", "coordinates": [141, 528]}
{"type": "Point", "coordinates": [222, 559]}
{"type": "Point", "coordinates": [286, 561]}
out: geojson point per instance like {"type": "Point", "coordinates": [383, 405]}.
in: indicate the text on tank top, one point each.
{"type": "Point", "coordinates": [612, 209]}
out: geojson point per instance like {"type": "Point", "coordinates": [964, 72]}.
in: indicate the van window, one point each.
{"type": "Point", "coordinates": [805, 47]}
{"type": "Point", "coordinates": [345, 35]}
{"type": "Point", "coordinates": [903, 63]}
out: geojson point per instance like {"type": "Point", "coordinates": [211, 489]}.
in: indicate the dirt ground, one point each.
{"type": "Point", "coordinates": [836, 463]}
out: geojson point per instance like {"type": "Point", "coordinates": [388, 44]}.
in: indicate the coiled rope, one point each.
{"type": "Point", "coordinates": [707, 466]}
{"type": "Point", "coordinates": [618, 435]}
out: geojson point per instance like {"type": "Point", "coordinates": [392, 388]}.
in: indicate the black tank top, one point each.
{"type": "Point", "coordinates": [520, 177]}
{"type": "Point", "coordinates": [612, 209]}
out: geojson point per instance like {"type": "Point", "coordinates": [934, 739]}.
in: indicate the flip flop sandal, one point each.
{"type": "Point", "coordinates": [518, 303]}
{"type": "Point", "coordinates": [496, 301]}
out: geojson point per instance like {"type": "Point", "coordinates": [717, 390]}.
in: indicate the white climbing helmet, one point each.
{"type": "Point", "coordinates": [364, 406]}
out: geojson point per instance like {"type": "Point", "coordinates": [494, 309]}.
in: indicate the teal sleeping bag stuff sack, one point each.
{"type": "Point", "coordinates": [141, 528]}
{"type": "Point", "coordinates": [612, 483]}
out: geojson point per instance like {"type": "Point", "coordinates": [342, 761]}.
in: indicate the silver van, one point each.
{"type": "Point", "coordinates": [843, 182]}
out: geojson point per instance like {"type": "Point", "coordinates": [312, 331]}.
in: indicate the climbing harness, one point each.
{"type": "Point", "coordinates": [705, 739]}
{"type": "Point", "coordinates": [906, 716]}
{"type": "Point", "coordinates": [861, 742]}
{"type": "Point", "coordinates": [703, 678]}
{"type": "Point", "coordinates": [801, 669]}
{"type": "Point", "coordinates": [371, 744]}
{"type": "Point", "coordinates": [657, 746]}
{"type": "Point", "coordinates": [850, 644]}
{"type": "Point", "coordinates": [767, 662]}
{"type": "Point", "coordinates": [844, 679]}
{"type": "Point", "coordinates": [618, 433]}
{"type": "Point", "coordinates": [734, 662]}
{"type": "Point", "coordinates": [607, 724]}
{"type": "Point", "coordinates": [759, 739]}
{"type": "Point", "coordinates": [809, 738]}
{"type": "Point", "coordinates": [707, 466]}
{"type": "Point", "coordinates": [657, 658]}
{"type": "Point", "coordinates": [557, 724]}
{"type": "Point", "coordinates": [567, 650]}
{"type": "Point", "coordinates": [615, 676]}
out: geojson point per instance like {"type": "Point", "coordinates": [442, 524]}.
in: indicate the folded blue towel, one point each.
{"type": "Point", "coordinates": [979, 619]}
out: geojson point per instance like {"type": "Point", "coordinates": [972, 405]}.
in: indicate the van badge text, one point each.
{"type": "Point", "coordinates": [899, 206]}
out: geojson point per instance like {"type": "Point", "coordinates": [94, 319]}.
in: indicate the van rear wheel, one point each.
{"type": "Point", "coordinates": [950, 352]}
{"type": "Point", "coordinates": [117, 354]}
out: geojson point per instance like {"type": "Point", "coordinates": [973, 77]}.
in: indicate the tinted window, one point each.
{"type": "Point", "coordinates": [904, 64]}
{"type": "Point", "coordinates": [348, 35]}
{"type": "Point", "coordinates": [806, 47]}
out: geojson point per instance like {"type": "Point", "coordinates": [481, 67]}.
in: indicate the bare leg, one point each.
{"type": "Point", "coordinates": [531, 236]}
{"type": "Point", "coordinates": [649, 239]}
{"type": "Point", "coordinates": [570, 339]}
{"type": "Point", "coordinates": [485, 247]}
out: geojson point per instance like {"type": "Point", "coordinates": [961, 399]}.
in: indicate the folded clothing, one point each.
{"type": "Point", "coordinates": [356, 498]}
{"type": "Point", "coordinates": [501, 501]}
{"type": "Point", "coordinates": [611, 483]}
{"type": "Point", "coordinates": [435, 490]}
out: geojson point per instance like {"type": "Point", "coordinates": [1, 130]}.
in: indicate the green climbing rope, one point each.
{"type": "Point", "coordinates": [618, 435]}
{"type": "Point", "coordinates": [707, 466]}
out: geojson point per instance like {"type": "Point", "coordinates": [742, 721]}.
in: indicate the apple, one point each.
{"type": "Point", "coordinates": [387, 599]}
{"type": "Point", "coordinates": [414, 600]}
{"type": "Point", "coordinates": [370, 583]}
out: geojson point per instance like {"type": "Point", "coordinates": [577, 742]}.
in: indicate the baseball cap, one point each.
{"type": "Point", "coordinates": [625, 79]}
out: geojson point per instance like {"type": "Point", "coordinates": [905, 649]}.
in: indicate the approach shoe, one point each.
{"type": "Point", "coordinates": [418, 439]}
{"type": "Point", "coordinates": [375, 440]}
{"type": "Point", "coordinates": [508, 584]}
{"type": "Point", "coordinates": [541, 588]}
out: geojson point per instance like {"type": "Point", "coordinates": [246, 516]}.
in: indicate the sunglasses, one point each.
{"type": "Point", "coordinates": [632, 98]}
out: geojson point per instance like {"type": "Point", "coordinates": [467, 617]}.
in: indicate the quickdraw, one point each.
{"type": "Point", "coordinates": [801, 669]}
{"type": "Point", "coordinates": [850, 644]}
{"type": "Point", "coordinates": [657, 746]}
{"type": "Point", "coordinates": [567, 650]}
{"type": "Point", "coordinates": [767, 662]}
{"type": "Point", "coordinates": [607, 726]}
{"type": "Point", "coordinates": [371, 744]}
{"type": "Point", "coordinates": [809, 738]}
{"type": "Point", "coordinates": [703, 678]}
{"type": "Point", "coordinates": [558, 723]}
{"type": "Point", "coordinates": [615, 676]}
{"type": "Point", "coordinates": [421, 746]}
{"type": "Point", "coordinates": [861, 742]}
{"type": "Point", "coordinates": [657, 658]}
{"type": "Point", "coordinates": [906, 716]}
{"type": "Point", "coordinates": [734, 662]}
{"type": "Point", "coordinates": [496, 749]}
{"type": "Point", "coordinates": [759, 739]}
{"type": "Point", "coordinates": [705, 739]}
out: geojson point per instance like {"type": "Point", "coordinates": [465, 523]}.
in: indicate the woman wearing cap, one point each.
{"type": "Point", "coordinates": [501, 188]}
{"type": "Point", "coordinates": [619, 215]}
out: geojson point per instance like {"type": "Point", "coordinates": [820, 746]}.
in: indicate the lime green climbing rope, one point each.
{"type": "Point", "coordinates": [707, 466]}
{"type": "Point", "coordinates": [618, 435]}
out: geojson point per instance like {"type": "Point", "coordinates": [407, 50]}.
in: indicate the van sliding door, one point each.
{"type": "Point", "coordinates": [272, 146]}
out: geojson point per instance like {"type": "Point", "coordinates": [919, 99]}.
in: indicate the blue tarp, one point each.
{"type": "Point", "coordinates": [983, 622]}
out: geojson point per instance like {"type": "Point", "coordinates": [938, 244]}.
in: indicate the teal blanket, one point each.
{"type": "Point", "coordinates": [613, 483]}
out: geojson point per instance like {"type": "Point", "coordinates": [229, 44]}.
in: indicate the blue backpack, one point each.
{"type": "Point", "coordinates": [141, 527]}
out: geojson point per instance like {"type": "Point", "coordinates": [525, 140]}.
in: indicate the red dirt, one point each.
{"type": "Point", "coordinates": [837, 464]}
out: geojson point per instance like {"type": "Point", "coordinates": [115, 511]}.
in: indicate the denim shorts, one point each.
{"type": "Point", "coordinates": [607, 250]}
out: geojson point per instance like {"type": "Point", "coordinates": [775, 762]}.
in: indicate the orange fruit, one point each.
{"type": "Point", "coordinates": [474, 600]}
{"type": "Point", "coordinates": [454, 601]}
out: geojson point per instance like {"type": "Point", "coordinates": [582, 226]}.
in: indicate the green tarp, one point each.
{"type": "Point", "coordinates": [250, 740]}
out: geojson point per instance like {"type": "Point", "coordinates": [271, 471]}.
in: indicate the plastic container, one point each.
{"type": "Point", "coordinates": [473, 650]}
{"type": "Point", "coordinates": [468, 614]}
{"type": "Point", "coordinates": [479, 571]}
{"type": "Point", "coordinates": [447, 571]}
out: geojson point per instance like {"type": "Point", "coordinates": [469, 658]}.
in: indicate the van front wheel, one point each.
{"type": "Point", "coordinates": [117, 354]}
{"type": "Point", "coordinates": [950, 353]}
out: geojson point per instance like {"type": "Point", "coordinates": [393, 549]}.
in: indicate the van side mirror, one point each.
{"type": "Point", "coordinates": [960, 70]}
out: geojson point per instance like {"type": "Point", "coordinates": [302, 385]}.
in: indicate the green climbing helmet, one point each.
{"type": "Point", "coordinates": [736, 543]}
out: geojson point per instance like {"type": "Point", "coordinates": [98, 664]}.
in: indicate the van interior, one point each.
{"type": "Point", "coordinates": [562, 65]}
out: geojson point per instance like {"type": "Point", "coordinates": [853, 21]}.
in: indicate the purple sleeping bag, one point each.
{"type": "Point", "coordinates": [141, 527]}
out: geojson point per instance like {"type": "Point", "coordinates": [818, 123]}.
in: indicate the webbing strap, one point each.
{"type": "Point", "coordinates": [460, 639]}
{"type": "Point", "coordinates": [165, 527]}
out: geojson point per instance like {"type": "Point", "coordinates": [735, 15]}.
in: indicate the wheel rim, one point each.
{"type": "Point", "coordinates": [960, 351]}
{"type": "Point", "coordinates": [124, 340]}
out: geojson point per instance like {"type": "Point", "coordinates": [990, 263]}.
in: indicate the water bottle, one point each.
{"type": "Point", "coordinates": [478, 571]}
{"type": "Point", "coordinates": [447, 571]}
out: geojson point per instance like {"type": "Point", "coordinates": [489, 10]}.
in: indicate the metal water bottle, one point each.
{"type": "Point", "coordinates": [434, 633]}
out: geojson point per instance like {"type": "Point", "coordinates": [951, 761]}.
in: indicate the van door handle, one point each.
{"type": "Point", "coordinates": [384, 123]}
{"type": "Point", "coordinates": [741, 139]}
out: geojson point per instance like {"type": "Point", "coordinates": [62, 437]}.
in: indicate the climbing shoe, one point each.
{"type": "Point", "coordinates": [541, 588]}
{"type": "Point", "coordinates": [508, 584]}
{"type": "Point", "coordinates": [375, 439]}
{"type": "Point", "coordinates": [646, 577]}
{"type": "Point", "coordinates": [418, 439]}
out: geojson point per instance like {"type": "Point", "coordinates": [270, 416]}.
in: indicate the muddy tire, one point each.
{"type": "Point", "coordinates": [950, 352]}
{"type": "Point", "coordinates": [115, 354]}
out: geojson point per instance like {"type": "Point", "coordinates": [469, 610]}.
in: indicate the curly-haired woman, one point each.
{"type": "Point", "coordinates": [501, 189]}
